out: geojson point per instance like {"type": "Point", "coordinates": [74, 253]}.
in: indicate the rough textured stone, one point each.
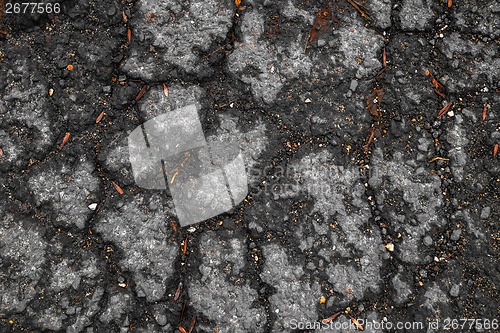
{"type": "Point", "coordinates": [143, 238]}
{"type": "Point", "coordinates": [416, 15]}
{"type": "Point", "coordinates": [297, 294]}
{"type": "Point", "coordinates": [229, 305]}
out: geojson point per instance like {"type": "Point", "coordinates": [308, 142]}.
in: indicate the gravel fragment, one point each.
{"type": "Point", "coordinates": [455, 235]}
{"type": "Point", "coordinates": [485, 212]}
{"type": "Point", "coordinates": [455, 290]}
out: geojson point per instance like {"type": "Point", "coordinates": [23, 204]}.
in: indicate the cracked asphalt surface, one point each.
{"type": "Point", "coordinates": [369, 194]}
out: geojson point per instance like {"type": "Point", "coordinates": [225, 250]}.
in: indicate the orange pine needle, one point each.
{"type": "Point", "coordinates": [428, 72]}
{"type": "Point", "coordinates": [440, 94]}
{"type": "Point", "coordinates": [495, 150]}
{"type": "Point", "coordinates": [65, 140]}
{"type": "Point", "coordinates": [118, 188]}
{"type": "Point", "coordinates": [129, 35]}
{"type": "Point", "coordinates": [184, 246]}
{"type": "Point", "coordinates": [444, 110]}
{"type": "Point", "coordinates": [484, 111]}
{"type": "Point", "coordinates": [358, 325]}
{"type": "Point", "coordinates": [450, 3]}
{"type": "Point", "coordinates": [178, 292]}
{"type": "Point", "coordinates": [366, 147]}
{"type": "Point", "coordinates": [181, 329]}
{"type": "Point", "coordinates": [124, 16]}
{"type": "Point", "coordinates": [384, 58]}
{"type": "Point", "coordinates": [438, 158]}
{"type": "Point", "coordinates": [360, 9]}
{"type": "Point", "coordinates": [141, 92]}
{"type": "Point", "coordinates": [193, 322]}
{"type": "Point", "coordinates": [165, 89]}
{"type": "Point", "coordinates": [182, 312]}
{"type": "Point", "coordinates": [436, 84]}
{"type": "Point", "coordinates": [331, 318]}
{"type": "Point", "coordinates": [99, 118]}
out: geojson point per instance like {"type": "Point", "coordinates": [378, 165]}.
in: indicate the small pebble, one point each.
{"type": "Point", "coordinates": [455, 235]}
{"type": "Point", "coordinates": [111, 11]}
{"type": "Point", "coordinates": [485, 212]}
{"type": "Point", "coordinates": [455, 290]}
{"type": "Point", "coordinates": [161, 320]}
{"type": "Point", "coordinates": [354, 85]}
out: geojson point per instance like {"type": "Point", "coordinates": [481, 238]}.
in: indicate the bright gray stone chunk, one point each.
{"type": "Point", "coordinates": [256, 52]}
{"type": "Point", "coordinates": [357, 42]}
{"type": "Point", "coordinates": [24, 104]}
{"type": "Point", "coordinates": [403, 289]}
{"type": "Point", "coordinates": [380, 10]}
{"type": "Point", "coordinates": [428, 240]}
{"type": "Point", "coordinates": [455, 235]}
{"type": "Point", "coordinates": [25, 249]}
{"type": "Point", "coordinates": [297, 294]}
{"type": "Point", "coordinates": [233, 307]}
{"type": "Point", "coordinates": [197, 25]}
{"type": "Point", "coordinates": [117, 306]}
{"type": "Point", "coordinates": [485, 212]}
{"type": "Point", "coordinates": [70, 199]}
{"type": "Point", "coordinates": [455, 290]}
{"type": "Point", "coordinates": [140, 234]}
{"type": "Point", "coordinates": [330, 185]}
{"type": "Point", "coordinates": [416, 15]}
{"type": "Point", "coordinates": [65, 275]}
